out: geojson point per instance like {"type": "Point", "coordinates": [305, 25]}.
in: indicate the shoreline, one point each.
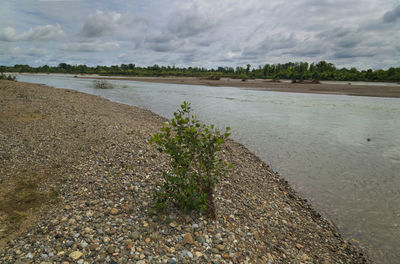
{"type": "Point", "coordinates": [97, 155]}
{"type": "Point", "coordinates": [268, 85]}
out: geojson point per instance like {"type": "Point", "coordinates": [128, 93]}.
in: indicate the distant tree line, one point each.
{"type": "Point", "coordinates": [292, 70]}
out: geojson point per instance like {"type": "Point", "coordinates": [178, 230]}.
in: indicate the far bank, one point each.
{"type": "Point", "coordinates": [271, 85]}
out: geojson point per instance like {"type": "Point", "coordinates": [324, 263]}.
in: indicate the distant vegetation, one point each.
{"type": "Point", "coordinates": [296, 71]}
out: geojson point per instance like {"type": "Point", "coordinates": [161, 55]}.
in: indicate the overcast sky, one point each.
{"type": "Point", "coordinates": [208, 33]}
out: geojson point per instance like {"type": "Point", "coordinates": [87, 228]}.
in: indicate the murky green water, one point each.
{"type": "Point", "coordinates": [319, 143]}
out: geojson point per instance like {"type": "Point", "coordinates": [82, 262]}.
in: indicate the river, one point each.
{"type": "Point", "coordinates": [340, 152]}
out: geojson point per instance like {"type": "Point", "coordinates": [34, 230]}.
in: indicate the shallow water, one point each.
{"type": "Point", "coordinates": [319, 143]}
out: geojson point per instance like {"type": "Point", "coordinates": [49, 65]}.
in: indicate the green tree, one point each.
{"type": "Point", "coordinates": [196, 168]}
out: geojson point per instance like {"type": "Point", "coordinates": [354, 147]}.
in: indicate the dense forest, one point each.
{"type": "Point", "coordinates": [292, 70]}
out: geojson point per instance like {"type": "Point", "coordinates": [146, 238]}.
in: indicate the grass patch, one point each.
{"type": "Point", "coordinates": [23, 198]}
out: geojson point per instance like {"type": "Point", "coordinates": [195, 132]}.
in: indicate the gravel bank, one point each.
{"type": "Point", "coordinates": [95, 155]}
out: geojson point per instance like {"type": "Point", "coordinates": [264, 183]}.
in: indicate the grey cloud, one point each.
{"type": "Point", "coordinates": [100, 24]}
{"type": "Point", "coordinates": [90, 46]}
{"type": "Point", "coordinates": [40, 33]}
{"type": "Point", "coordinates": [269, 44]}
{"type": "Point", "coordinates": [392, 15]}
{"type": "Point", "coordinates": [36, 52]}
{"type": "Point", "coordinates": [204, 32]}
{"type": "Point", "coordinates": [190, 25]}
{"type": "Point", "coordinates": [353, 53]}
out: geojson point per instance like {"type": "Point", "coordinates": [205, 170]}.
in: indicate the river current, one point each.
{"type": "Point", "coordinates": [340, 152]}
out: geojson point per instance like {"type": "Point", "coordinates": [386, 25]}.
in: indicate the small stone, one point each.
{"type": "Point", "coordinates": [60, 253]}
{"type": "Point", "coordinates": [194, 226]}
{"type": "Point", "coordinates": [147, 240]}
{"type": "Point", "coordinates": [29, 255]}
{"type": "Point", "coordinates": [110, 249]}
{"type": "Point", "coordinates": [69, 243]}
{"type": "Point", "coordinates": [201, 239]}
{"type": "Point", "coordinates": [173, 224]}
{"type": "Point", "coordinates": [92, 247]}
{"type": "Point", "coordinates": [198, 254]}
{"type": "Point", "coordinates": [188, 239]}
{"type": "Point", "coordinates": [114, 211]}
{"type": "Point", "coordinates": [106, 239]}
{"type": "Point", "coordinates": [187, 254]}
{"type": "Point", "coordinates": [141, 262]}
{"type": "Point", "coordinates": [172, 261]}
{"type": "Point", "coordinates": [84, 244]}
{"type": "Point", "coordinates": [135, 235]}
{"type": "Point", "coordinates": [299, 246]}
{"type": "Point", "coordinates": [305, 257]}
{"type": "Point", "coordinates": [127, 241]}
{"type": "Point", "coordinates": [225, 256]}
{"type": "Point", "coordinates": [76, 255]}
{"type": "Point", "coordinates": [220, 247]}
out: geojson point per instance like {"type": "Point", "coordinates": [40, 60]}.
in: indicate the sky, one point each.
{"type": "Point", "coordinates": [200, 33]}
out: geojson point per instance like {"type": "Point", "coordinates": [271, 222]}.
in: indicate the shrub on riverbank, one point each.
{"type": "Point", "coordinates": [8, 77]}
{"type": "Point", "coordinates": [196, 169]}
{"type": "Point", "coordinates": [102, 84]}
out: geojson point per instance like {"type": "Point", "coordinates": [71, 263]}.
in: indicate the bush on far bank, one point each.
{"type": "Point", "coordinates": [8, 77]}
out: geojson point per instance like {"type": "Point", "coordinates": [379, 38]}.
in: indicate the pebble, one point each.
{"type": "Point", "coordinates": [305, 257]}
{"type": "Point", "coordinates": [76, 255]}
{"type": "Point", "coordinates": [188, 239]}
{"type": "Point", "coordinates": [172, 261]}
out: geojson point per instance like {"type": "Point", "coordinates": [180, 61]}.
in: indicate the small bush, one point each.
{"type": "Point", "coordinates": [214, 77]}
{"type": "Point", "coordinates": [102, 84]}
{"type": "Point", "coordinates": [8, 77]}
{"type": "Point", "coordinates": [196, 169]}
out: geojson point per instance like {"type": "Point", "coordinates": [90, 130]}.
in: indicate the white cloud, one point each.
{"type": "Point", "coordinates": [40, 33]}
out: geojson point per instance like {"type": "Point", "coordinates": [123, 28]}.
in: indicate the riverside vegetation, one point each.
{"type": "Point", "coordinates": [322, 70]}
{"type": "Point", "coordinates": [196, 168]}
{"type": "Point", "coordinates": [8, 77]}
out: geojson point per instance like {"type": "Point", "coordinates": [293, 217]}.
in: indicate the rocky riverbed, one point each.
{"type": "Point", "coordinates": [77, 176]}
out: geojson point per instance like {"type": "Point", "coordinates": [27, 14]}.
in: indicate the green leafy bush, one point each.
{"type": "Point", "coordinates": [196, 168]}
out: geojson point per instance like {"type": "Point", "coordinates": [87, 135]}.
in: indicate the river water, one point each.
{"type": "Point", "coordinates": [340, 152]}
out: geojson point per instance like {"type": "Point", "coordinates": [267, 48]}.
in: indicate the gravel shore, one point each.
{"type": "Point", "coordinates": [94, 174]}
